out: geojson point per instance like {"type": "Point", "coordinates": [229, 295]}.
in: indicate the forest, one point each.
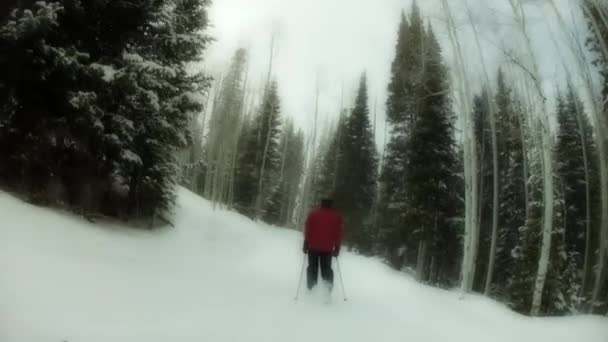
{"type": "Point", "coordinates": [487, 180]}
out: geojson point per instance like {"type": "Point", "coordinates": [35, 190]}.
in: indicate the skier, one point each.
{"type": "Point", "coordinates": [322, 239]}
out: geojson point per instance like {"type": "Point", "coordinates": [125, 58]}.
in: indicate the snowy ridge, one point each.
{"type": "Point", "coordinates": [220, 277]}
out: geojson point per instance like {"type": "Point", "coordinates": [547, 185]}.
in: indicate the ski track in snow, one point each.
{"type": "Point", "coordinates": [220, 277]}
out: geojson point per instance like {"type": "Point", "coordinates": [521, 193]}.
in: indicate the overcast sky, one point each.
{"type": "Point", "coordinates": [333, 41]}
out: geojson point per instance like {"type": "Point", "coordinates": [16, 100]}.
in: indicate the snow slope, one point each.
{"type": "Point", "coordinates": [220, 277]}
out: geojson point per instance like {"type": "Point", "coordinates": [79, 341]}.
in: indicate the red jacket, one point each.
{"type": "Point", "coordinates": [323, 230]}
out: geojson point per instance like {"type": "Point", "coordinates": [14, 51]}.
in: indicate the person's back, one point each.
{"type": "Point", "coordinates": [324, 230]}
{"type": "Point", "coordinates": [322, 239]}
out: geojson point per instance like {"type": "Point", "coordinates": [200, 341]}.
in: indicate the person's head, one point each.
{"type": "Point", "coordinates": [327, 203]}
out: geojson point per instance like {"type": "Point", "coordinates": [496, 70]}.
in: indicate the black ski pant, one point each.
{"type": "Point", "coordinates": [316, 260]}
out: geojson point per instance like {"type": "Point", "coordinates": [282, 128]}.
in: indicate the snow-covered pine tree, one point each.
{"type": "Point", "coordinates": [162, 96]}
{"type": "Point", "coordinates": [524, 256]}
{"type": "Point", "coordinates": [356, 186]}
{"type": "Point", "coordinates": [511, 158]}
{"type": "Point", "coordinates": [31, 132]}
{"type": "Point", "coordinates": [112, 106]}
{"type": "Point", "coordinates": [578, 177]}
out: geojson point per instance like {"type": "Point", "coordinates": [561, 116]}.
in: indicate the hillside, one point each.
{"type": "Point", "coordinates": [218, 276]}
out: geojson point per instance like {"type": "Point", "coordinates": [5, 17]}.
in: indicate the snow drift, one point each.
{"type": "Point", "coordinates": [218, 276]}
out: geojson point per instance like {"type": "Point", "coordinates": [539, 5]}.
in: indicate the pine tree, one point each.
{"type": "Point", "coordinates": [393, 202]}
{"type": "Point", "coordinates": [245, 188]}
{"type": "Point", "coordinates": [355, 188]}
{"type": "Point", "coordinates": [431, 174]}
{"type": "Point", "coordinates": [259, 159]}
{"type": "Point", "coordinates": [420, 201]}
{"type": "Point", "coordinates": [511, 158]}
{"type": "Point", "coordinates": [292, 162]}
{"type": "Point", "coordinates": [578, 178]}
{"type": "Point", "coordinates": [269, 154]}
{"type": "Point", "coordinates": [328, 162]}
{"type": "Point", "coordinates": [112, 107]}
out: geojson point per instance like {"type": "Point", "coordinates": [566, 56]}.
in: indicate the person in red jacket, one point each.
{"type": "Point", "coordinates": [322, 238]}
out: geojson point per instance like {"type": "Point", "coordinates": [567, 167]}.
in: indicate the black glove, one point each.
{"type": "Point", "coordinates": [336, 251]}
{"type": "Point", "coordinates": [305, 247]}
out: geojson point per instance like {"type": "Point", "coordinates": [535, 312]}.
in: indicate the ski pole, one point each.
{"type": "Point", "coordinates": [301, 276]}
{"type": "Point", "coordinates": [341, 280]}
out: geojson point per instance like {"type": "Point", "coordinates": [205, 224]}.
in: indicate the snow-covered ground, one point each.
{"type": "Point", "coordinates": [220, 277]}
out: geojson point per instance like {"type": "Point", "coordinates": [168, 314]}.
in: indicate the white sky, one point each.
{"type": "Point", "coordinates": [333, 41]}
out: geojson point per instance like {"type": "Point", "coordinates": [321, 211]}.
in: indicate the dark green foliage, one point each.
{"type": "Point", "coordinates": [574, 143]}
{"type": "Point", "coordinates": [420, 202]}
{"type": "Point", "coordinates": [327, 163]}
{"type": "Point", "coordinates": [245, 188]}
{"type": "Point", "coordinates": [96, 101]}
{"type": "Point", "coordinates": [355, 188]}
{"type": "Point", "coordinates": [512, 178]}
{"type": "Point", "coordinates": [292, 165]}
{"type": "Point", "coordinates": [259, 160]}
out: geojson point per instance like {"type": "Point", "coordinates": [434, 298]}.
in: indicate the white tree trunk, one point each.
{"type": "Point", "coordinates": [492, 115]}
{"type": "Point", "coordinates": [471, 238]}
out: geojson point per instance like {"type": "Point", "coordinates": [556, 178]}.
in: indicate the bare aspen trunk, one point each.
{"type": "Point", "coordinates": [258, 200]}
{"type": "Point", "coordinates": [211, 171]}
{"type": "Point", "coordinates": [260, 194]}
{"type": "Point", "coordinates": [312, 144]}
{"type": "Point", "coordinates": [492, 114]}
{"type": "Point", "coordinates": [471, 237]}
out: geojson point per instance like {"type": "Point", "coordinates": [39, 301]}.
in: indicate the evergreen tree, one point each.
{"type": "Point", "coordinates": [259, 159]}
{"type": "Point", "coordinates": [431, 174]}
{"type": "Point", "coordinates": [111, 107]}
{"type": "Point", "coordinates": [525, 254]}
{"type": "Point", "coordinates": [393, 202]}
{"type": "Point", "coordinates": [245, 188]}
{"type": "Point", "coordinates": [578, 178]}
{"type": "Point", "coordinates": [292, 164]}
{"type": "Point", "coordinates": [357, 169]}
{"type": "Point", "coordinates": [269, 154]}
{"type": "Point", "coordinates": [327, 162]}
{"type": "Point", "coordinates": [420, 201]}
